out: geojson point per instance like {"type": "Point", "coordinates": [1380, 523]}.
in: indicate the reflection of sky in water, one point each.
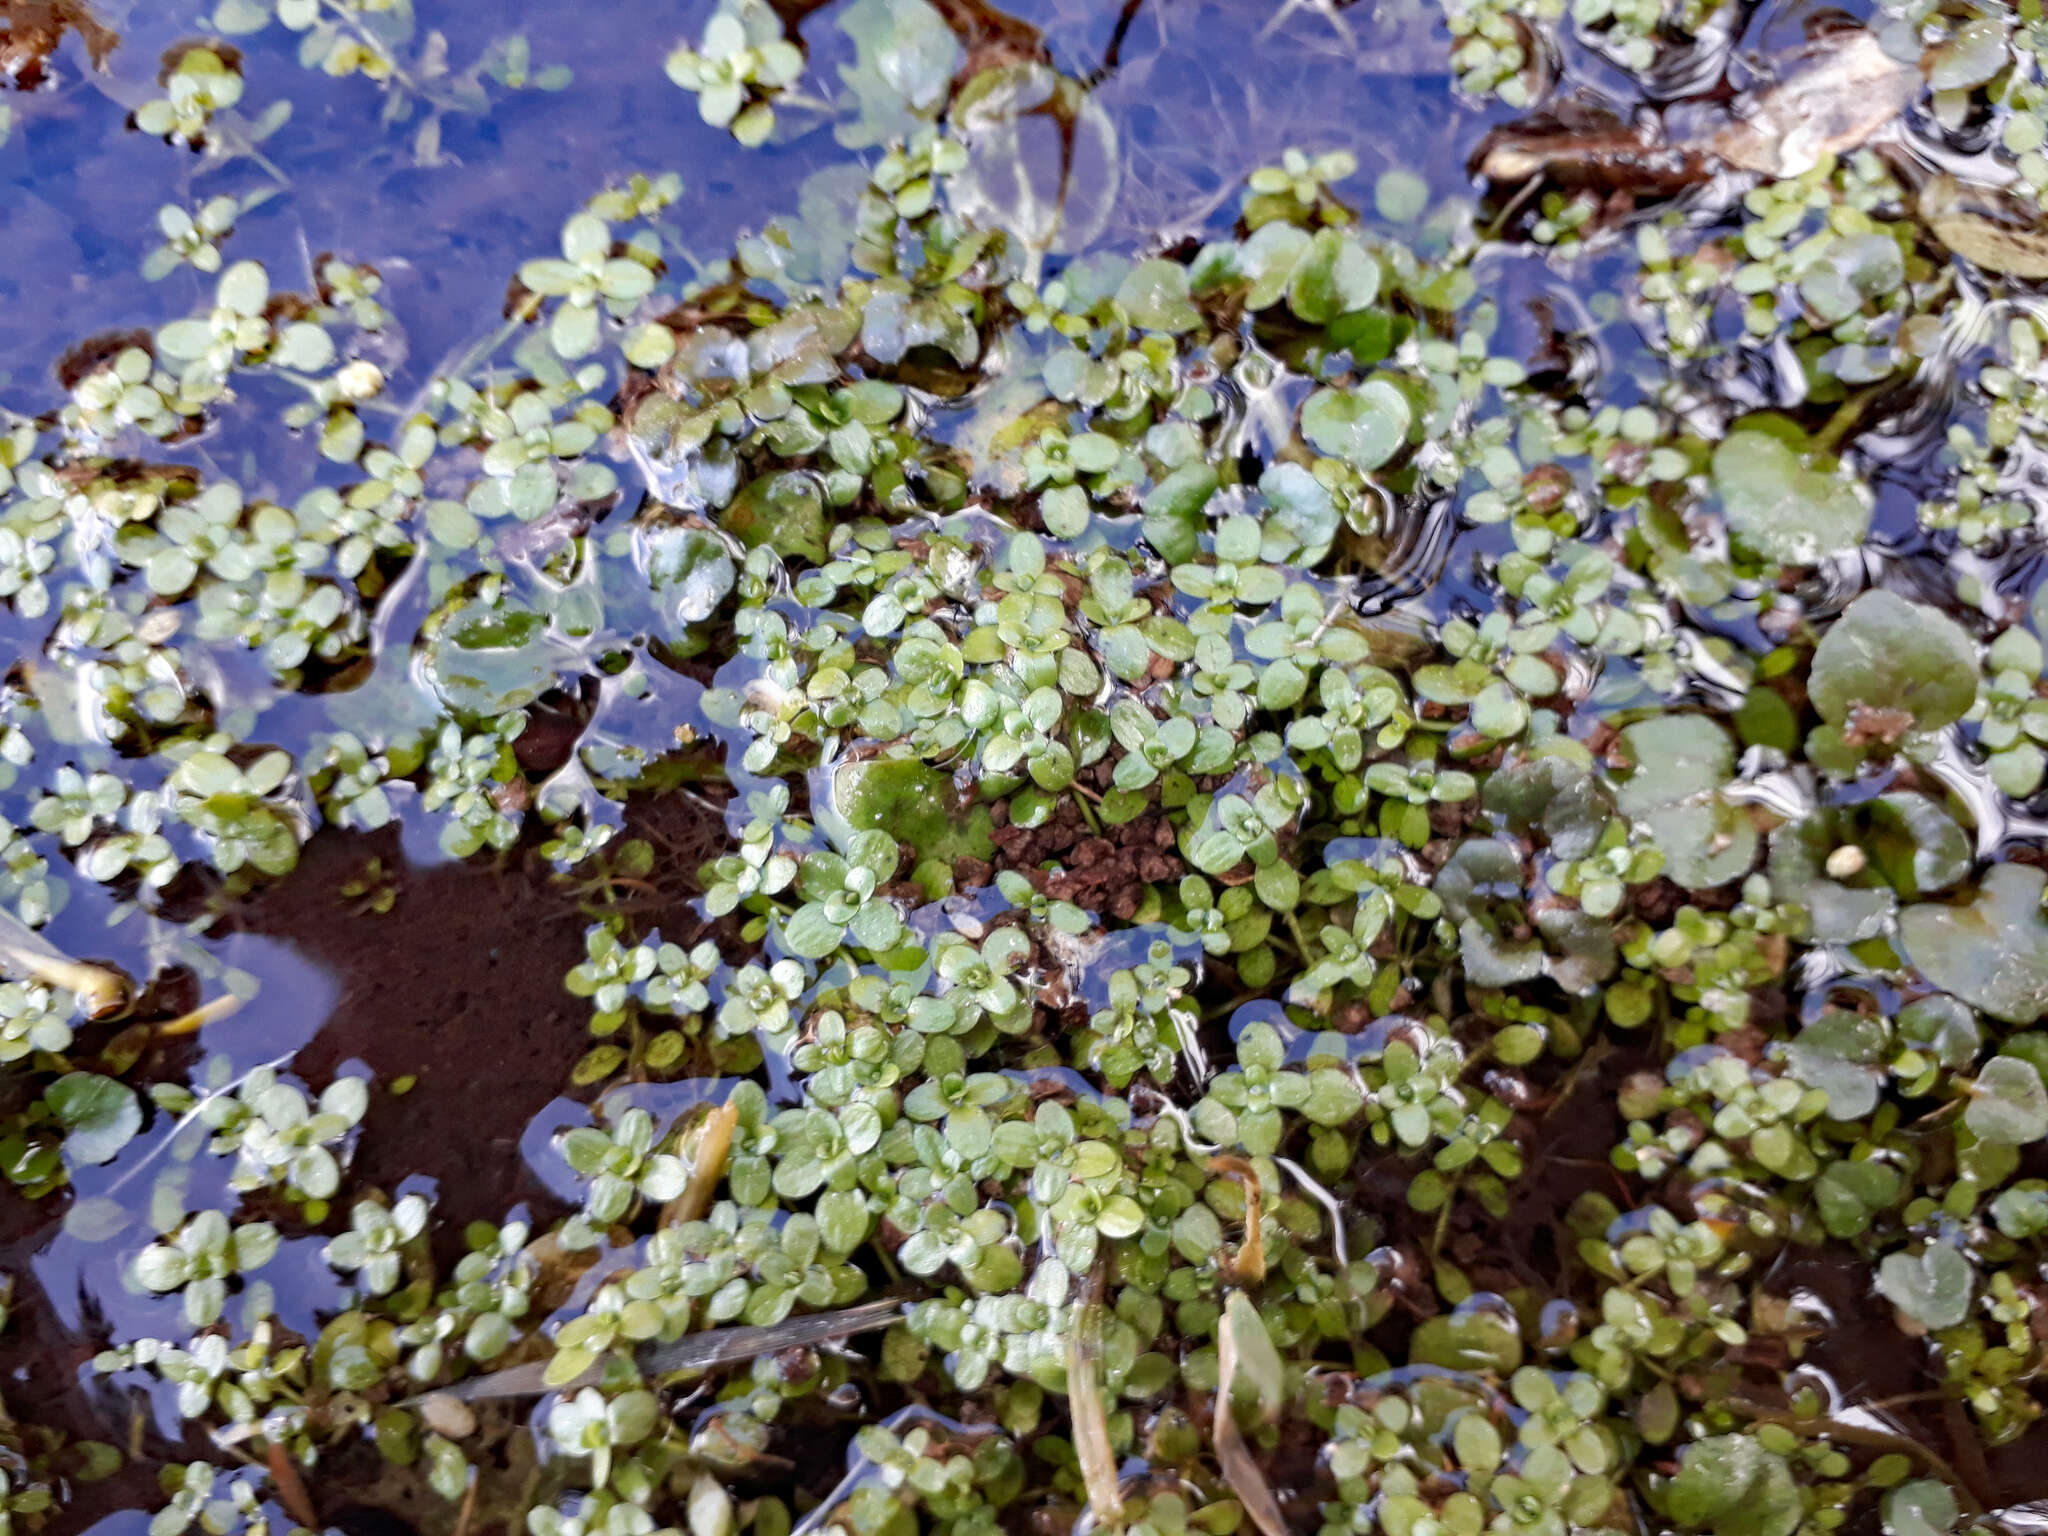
{"type": "Point", "coordinates": [81, 1266]}
{"type": "Point", "coordinates": [293, 1000]}
{"type": "Point", "coordinates": [1190, 110]}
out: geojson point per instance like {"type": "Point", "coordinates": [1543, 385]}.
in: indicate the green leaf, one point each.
{"type": "Point", "coordinates": [810, 933]}
{"type": "Point", "coordinates": [1933, 1287]}
{"type": "Point", "coordinates": [100, 1115]}
{"type": "Point", "coordinates": [1334, 277]}
{"type": "Point", "coordinates": [906, 57]}
{"type": "Point", "coordinates": [1155, 296]}
{"type": "Point", "coordinates": [915, 804]}
{"type": "Point", "coordinates": [1923, 1507]}
{"type": "Point", "coordinates": [1261, 1378]}
{"type": "Point", "coordinates": [1836, 913]}
{"type": "Point", "coordinates": [1732, 1486]}
{"type": "Point", "coordinates": [1992, 951]}
{"type": "Point", "coordinates": [1781, 509]}
{"type": "Point", "coordinates": [238, 17]}
{"type": "Point", "coordinates": [2008, 1103]}
{"type": "Point", "coordinates": [1365, 426]}
{"type": "Point", "coordinates": [1848, 1194]}
{"type": "Point", "coordinates": [1478, 1340]}
{"type": "Point", "coordinates": [1842, 1053]}
{"type": "Point", "coordinates": [304, 347]}
{"type": "Point", "coordinates": [1916, 843]}
{"type": "Point", "coordinates": [1676, 757]}
{"type": "Point", "coordinates": [244, 288]}
{"type": "Point", "coordinates": [785, 511]}
{"type": "Point", "coordinates": [1886, 653]}
{"type": "Point", "coordinates": [1173, 512]}
{"type": "Point", "coordinates": [690, 569]}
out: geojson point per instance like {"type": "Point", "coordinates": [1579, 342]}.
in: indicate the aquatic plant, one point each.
{"type": "Point", "coordinates": [1167, 962]}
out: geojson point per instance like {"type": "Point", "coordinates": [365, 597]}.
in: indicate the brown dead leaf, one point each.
{"type": "Point", "coordinates": [1985, 228]}
{"type": "Point", "coordinates": [1579, 147]}
{"type": "Point", "coordinates": [30, 31]}
{"type": "Point", "coordinates": [1832, 97]}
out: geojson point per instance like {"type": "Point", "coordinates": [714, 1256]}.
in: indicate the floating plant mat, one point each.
{"type": "Point", "coordinates": [882, 766]}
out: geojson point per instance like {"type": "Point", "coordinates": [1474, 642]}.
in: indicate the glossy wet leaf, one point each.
{"type": "Point", "coordinates": [2008, 1103]}
{"type": "Point", "coordinates": [1916, 843]}
{"type": "Point", "coordinates": [914, 804]}
{"type": "Point", "coordinates": [783, 511]}
{"type": "Point", "coordinates": [1674, 758]}
{"type": "Point", "coordinates": [1888, 653]}
{"type": "Point", "coordinates": [906, 57]}
{"type": "Point", "coordinates": [1837, 913]}
{"type": "Point", "coordinates": [1779, 507]}
{"type": "Point", "coordinates": [1333, 277]}
{"type": "Point", "coordinates": [692, 571]}
{"type": "Point", "coordinates": [100, 1115]}
{"type": "Point", "coordinates": [1365, 426]}
{"type": "Point", "coordinates": [1843, 1054]}
{"type": "Point", "coordinates": [1932, 1287]}
{"type": "Point", "coordinates": [488, 658]}
{"type": "Point", "coordinates": [1922, 1507]}
{"type": "Point", "coordinates": [1732, 1486]}
{"type": "Point", "coordinates": [1974, 52]}
{"type": "Point", "coordinates": [1990, 949]}
{"type": "Point", "coordinates": [1155, 296]}
{"type": "Point", "coordinates": [1475, 1340]}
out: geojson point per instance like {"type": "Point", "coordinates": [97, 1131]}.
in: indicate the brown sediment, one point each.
{"type": "Point", "coordinates": [1101, 868]}
{"type": "Point", "coordinates": [489, 1042]}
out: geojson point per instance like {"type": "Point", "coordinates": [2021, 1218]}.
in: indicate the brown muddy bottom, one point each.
{"type": "Point", "coordinates": [448, 975]}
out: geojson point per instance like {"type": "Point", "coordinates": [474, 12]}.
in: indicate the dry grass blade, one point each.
{"type": "Point", "coordinates": [1091, 1418]}
{"type": "Point", "coordinates": [693, 1352]}
{"type": "Point", "coordinates": [100, 990]}
{"type": "Point", "coordinates": [205, 1014]}
{"type": "Point", "coordinates": [707, 1166]}
{"type": "Point", "coordinates": [1240, 1470]}
{"type": "Point", "coordinates": [291, 1488]}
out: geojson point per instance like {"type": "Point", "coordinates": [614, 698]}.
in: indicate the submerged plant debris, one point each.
{"type": "Point", "coordinates": [1083, 808]}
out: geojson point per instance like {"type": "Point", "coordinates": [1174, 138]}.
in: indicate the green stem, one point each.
{"type": "Point", "coordinates": [1308, 952]}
